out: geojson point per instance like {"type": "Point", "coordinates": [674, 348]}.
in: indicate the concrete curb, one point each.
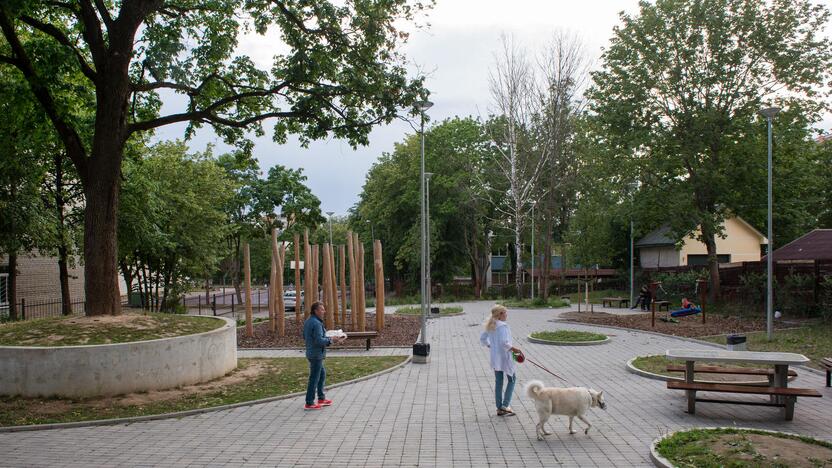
{"type": "Point", "coordinates": [683, 338]}
{"type": "Point", "coordinates": [180, 414]}
{"type": "Point", "coordinates": [567, 343]}
{"type": "Point", "coordinates": [662, 462]}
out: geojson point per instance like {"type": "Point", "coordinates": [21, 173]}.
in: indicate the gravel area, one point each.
{"type": "Point", "coordinates": [398, 330]}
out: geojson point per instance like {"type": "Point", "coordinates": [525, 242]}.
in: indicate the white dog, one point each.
{"type": "Point", "coordinates": [572, 402]}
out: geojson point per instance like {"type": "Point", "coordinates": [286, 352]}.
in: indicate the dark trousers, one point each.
{"type": "Point", "coordinates": [317, 380]}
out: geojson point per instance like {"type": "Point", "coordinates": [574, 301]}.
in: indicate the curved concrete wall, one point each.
{"type": "Point", "coordinates": [113, 369]}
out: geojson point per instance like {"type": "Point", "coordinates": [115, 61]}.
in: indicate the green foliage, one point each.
{"type": "Point", "coordinates": [443, 311]}
{"type": "Point", "coordinates": [814, 341]}
{"type": "Point", "coordinates": [826, 299]}
{"type": "Point", "coordinates": [676, 285]}
{"type": "Point", "coordinates": [171, 221]}
{"type": "Point", "coordinates": [676, 102]}
{"type": "Point", "coordinates": [795, 295]}
{"type": "Point", "coordinates": [753, 288]}
{"type": "Point", "coordinates": [536, 303]}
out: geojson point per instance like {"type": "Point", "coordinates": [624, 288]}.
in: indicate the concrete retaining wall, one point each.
{"type": "Point", "coordinates": [112, 369]}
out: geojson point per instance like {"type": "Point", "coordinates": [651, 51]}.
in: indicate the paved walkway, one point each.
{"type": "Point", "coordinates": [439, 414]}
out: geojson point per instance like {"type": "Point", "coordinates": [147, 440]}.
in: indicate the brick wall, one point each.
{"type": "Point", "coordinates": [38, 278]}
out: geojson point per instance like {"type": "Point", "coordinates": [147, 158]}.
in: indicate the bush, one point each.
{"type": "Point", "coordinates": [796, 295]}
{"type": "Point", "coordinates": [677, 285]}
{"type": "Point", "coordinates": [826, 299]}
{"type": "Point", "coordinates": [753, 288]}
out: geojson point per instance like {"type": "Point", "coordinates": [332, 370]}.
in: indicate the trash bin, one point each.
{"type": "Point", "coordinates": [434, 310]}
{"type": "Point", "coordinates": [736, 342]}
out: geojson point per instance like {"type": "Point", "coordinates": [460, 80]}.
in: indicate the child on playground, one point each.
{"type": "Point", "coordinates": [686, 304]}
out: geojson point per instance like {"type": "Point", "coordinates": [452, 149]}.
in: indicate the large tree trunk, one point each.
{"type": "Point", "coordinates": [713, 267]}
{"type": "Point", "coordinates": [100, 237]}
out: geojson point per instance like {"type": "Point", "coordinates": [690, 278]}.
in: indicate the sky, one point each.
{"type": "Point", "coordinates": [456, 52]}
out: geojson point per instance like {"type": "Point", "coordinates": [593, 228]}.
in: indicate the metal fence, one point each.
{"type": "Point", "coordinates": [29, 310]}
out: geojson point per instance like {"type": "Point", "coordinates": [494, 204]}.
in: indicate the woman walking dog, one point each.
{"type": "Point", "coordinates": [497, 337]}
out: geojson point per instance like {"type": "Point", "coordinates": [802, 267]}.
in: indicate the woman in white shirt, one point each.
{"type": "Point", "coordinates": [497, 337]}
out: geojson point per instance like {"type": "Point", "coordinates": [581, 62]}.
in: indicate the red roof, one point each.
{"type": "Point", "coordinates": [816, 245]}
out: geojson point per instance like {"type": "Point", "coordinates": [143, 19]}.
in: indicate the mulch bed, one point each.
{"type": "Point", "coordinates": [398, 330]}
{"type": "Point", "coordinates": [688, 326]}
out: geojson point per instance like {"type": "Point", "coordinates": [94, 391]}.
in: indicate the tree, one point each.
{"type": "Point", "coordinates": [679, 92]}
{"type": "Point", "coordinates": [520, 158]}
{"type": "Point", "coordinates": [342, 74]}
{"type": "Point", "coordinates": [159, 246]}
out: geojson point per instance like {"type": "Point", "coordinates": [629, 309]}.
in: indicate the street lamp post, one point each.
{"type": "Point", "coordinates": [532, 272]}
{"type": "Point", "coordinates": [769, 113]}
{"type": "Point", "coordinates": [330, 213]}
{"type": "Point", "coordinates": [423, 352]}
{"type": "Point", "coordinates": [372, 232]}
{"type": "Point", "coordinates": [429, 294]}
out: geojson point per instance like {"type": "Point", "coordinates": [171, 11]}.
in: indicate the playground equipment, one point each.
{"type": "Point", "coordinates": [701, 289]}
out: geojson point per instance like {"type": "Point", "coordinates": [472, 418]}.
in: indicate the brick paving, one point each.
{"type": "Point", "coordinates": [439, 414]}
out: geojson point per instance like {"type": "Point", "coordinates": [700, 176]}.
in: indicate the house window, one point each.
{"type": "Point", "coordinates": [702, 260]}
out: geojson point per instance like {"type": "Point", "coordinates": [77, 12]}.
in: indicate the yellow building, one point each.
{"type": "Point", "coordinates": [742, 243]}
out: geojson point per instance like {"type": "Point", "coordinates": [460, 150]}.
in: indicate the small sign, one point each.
{"type": "Point", "coordinates": [292, 265]}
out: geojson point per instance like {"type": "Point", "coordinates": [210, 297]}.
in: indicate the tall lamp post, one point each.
{"type": "Point", "coordinates": [428, 279]}
{"type": "Point", "coordinates": [421, 353]}
{"type": "Point", "coordinates": [372, 232]}
{"type": "Point", "coordinates": [532, 272]}
{"type": "Point", "coordinates": [330, 213]}
{"type": "Point", "coordinates": [632, 288]}
{"type": "Point", "coordinates": [769, 113]}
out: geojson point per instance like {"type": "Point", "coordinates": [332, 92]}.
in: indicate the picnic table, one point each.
{"type": "Point", "coordinates": [779, 392]}
{"type": "Point", "coordinates": [622, 301]}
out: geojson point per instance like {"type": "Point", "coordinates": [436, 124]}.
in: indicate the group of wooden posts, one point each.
{"type": "Point", "coordinates": [319, 264]}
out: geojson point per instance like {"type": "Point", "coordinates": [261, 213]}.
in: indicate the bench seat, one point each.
{"type": "Point", "coordinates": [622, 301]}
{"type": "Point", "coordinates": [789, 394]}
{"type": "Point", "coordinates": [365, 335]}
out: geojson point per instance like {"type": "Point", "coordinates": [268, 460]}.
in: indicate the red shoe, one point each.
{"type": "Point", "coordinates": [324, 402]}
{"type": "Point", "coordinates": [312, 407]}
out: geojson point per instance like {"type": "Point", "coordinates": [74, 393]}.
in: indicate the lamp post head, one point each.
{"type": "Point", "coordinates": [769, 112]}
{"type": "Point", "coordinates": [330, 213]}
{"type": "Point", "coordinates": [428, 175]}
{"type": "Point", "coordinates": [422, 106]}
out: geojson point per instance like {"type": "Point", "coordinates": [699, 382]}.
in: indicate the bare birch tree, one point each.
{"type": "Point", "coordinates": [564, 70]}
{"type": "Point", "coordinates": [519, 159]}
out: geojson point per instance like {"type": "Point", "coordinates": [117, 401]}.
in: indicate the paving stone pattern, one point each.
{"type": "Point", "coordinates": [439, 414]}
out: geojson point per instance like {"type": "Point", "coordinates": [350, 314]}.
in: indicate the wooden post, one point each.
{"type": "Point", "coordinates": [379, 269]}
{"type": "Point", "coordinates": [653, 285]}
{"type": "Point", "coordinates": [272, 293]}
{"type": "Point", "coordinates": [353, 301]}
{"type": "Point", "coordinates": [343, 265]}
{"type": "Point", "coordinates": [307, 276]}
{"type": "Point", "coordinates": [333, 286]}
{"type": "Point", "coordinates": [316, 270]}
{"type": "Point", "coordinates": [298, 290]}
{"type": "Point", "coordinates": [359, 263]}
{"type": "Point", "coordinates": [247, 268]}
{"type": "Point", "coordinates": [325, 281]}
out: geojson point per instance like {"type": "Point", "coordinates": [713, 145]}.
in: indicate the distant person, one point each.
{"type": "Point", "coordinates": [643, 298]}
{"type": "Point", "coordinates": [314, 334]}
{"type": "Point", "coordinates": [497, 337]}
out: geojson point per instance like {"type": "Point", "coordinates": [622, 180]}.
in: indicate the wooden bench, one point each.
{"type": "Point", "coordinates": [789, 395]}
{"type": "Point", "coordinates": [729, 370]}
{"type": "Point", "coordinates": [622, 301]}
{"type": "Point", "coordinates": [660, 304]}
{"type": "Point", "coordinates": [365, 335]}
{"type": "Point", "coordinates": [826, 363]}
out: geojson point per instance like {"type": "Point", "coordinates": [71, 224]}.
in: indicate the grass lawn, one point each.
{"type": "Point", "coordinates": [252, 380]}
{"type": "Point", "coordinates": [74, 330]}
{"type": "Point", "coordinates": [571, 336]}
{"type": "Point", "coordinates": [443, 311]}
{"type": "Point", "coordinates": [708, 448]}
{"type": "Point", "coordinates": [596, 296]}
{"type": "Point", "coordinates": [657, 364]}
{"type": "Point", "coordinates": [537, 303]}
{"type": "Point", "coordinates": [815, 341]}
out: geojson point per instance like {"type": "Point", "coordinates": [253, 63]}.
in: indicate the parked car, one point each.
{"type": "Point", "coordinates": [290, 300]}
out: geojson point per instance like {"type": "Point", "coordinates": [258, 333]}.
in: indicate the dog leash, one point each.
{"type": "Point", "coordinates": [545, 369]}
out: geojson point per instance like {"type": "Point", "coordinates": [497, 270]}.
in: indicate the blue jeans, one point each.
{"type": "Point", "coordinates": [503, 402]}
{"type": "Point", "coordinates": [317, 379]}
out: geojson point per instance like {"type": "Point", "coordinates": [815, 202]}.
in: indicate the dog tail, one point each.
{"type": "Point", "coordinates": [533, 388]}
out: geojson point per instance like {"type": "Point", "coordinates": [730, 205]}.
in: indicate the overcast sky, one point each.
{"type": "Point", "coordinates": [457, 52]}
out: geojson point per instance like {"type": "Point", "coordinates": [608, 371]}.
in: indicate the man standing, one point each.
{"type": "Point", "coordinates": [316, 342]}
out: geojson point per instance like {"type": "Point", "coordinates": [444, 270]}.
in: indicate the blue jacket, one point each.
{"type": "Point", "coordinates": [314, 335]}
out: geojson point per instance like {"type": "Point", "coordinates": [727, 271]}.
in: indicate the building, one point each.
{"type": "Point", "coordinates": [814, 246]}
{"type": "Point", "coordinates": [38, 281]}
{"type": "Point", "coordinates": [742, 243]}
